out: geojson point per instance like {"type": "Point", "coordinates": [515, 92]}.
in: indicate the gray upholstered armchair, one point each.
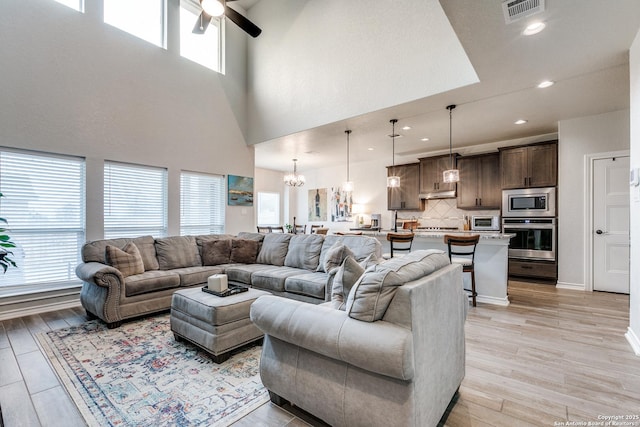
{"type": "Point", "coordinates": [401, 370]}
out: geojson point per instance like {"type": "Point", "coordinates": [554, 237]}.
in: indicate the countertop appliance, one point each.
{"type": "Point", "coordinates": [485, 223]}
{"type": "Point", "coordinates": [529, 202]}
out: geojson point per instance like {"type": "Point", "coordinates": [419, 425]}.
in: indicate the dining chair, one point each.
{"type": "Point", "coordinates": [264, 229]}
{"type": "Point", "coordinates": [300, 229]}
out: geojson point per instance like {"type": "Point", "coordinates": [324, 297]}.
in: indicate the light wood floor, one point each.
{"type": "Point", "coordinates": [553, 355]}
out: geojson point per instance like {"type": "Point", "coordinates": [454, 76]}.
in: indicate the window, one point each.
{"type": "Point", "coordinates": [201, 204]}
{"type": "Point", "coordinates": [142, 18]}
{"type": "Point", "coordinates": [205, 49]}
{"type": "Point", "coordinates": [44, 203]}
{"type": "Point", "coordinates": [73, 4]}
{"type": "Point", "coordinates": [135, 201]}
{"type": "Point", "coordinates": [268, 209]}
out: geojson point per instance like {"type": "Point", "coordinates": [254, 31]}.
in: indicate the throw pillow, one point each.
{"type": "Point", "coordinates": [346, 276]}
{"type": "Point", "coordinates": [216, 252]}
{"type": "Point", "coordinates": [128, 259]}
{"type": "Point", "coordinates": [335, 256]}
{"type": "Point", "coordinates": [244, 251]}
{"type": "Point", "coordinates": [371, 296]}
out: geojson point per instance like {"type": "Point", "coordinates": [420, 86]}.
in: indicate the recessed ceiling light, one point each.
{"type": "Point", "coordinates": [406, 127]}
{"type": "Point", "coordinates": [545, 83]}
{"type": "Point", "coordinates": [370, 148]}
{"type": "Point", "coordinates": [520, 122]}
{"type": "Point", "coordinates": [534, 28]}
{"type": "Point", "coordinates": [424, 139]}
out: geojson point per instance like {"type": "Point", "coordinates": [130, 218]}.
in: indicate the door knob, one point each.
{"type": "Point", "coordinates": [599, 232]}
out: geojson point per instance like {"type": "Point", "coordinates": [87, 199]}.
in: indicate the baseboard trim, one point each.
{"type": "Point", "coordinates": [493, 300]}
{"type": "Point", "coordinates": [38, 309]}
{"type": "Point", "coordinates": [632, 338]}
{"type": "Point", "coordinates": [572, 286]}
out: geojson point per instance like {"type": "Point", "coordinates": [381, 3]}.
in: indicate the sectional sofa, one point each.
{"type": "Point", "coordinates": [127, 278]}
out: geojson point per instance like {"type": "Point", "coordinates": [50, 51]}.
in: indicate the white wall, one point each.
{"type": "Point", "coordinates": [577, 138]}
{"type": "Point", "coordinates": [633, 334]}
{"type": "Point", "coordinates": [71, 84]}
{"type": "Point", "coordinates": [316, 64]}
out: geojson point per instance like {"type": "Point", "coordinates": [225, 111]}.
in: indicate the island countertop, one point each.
{"type": "Point", "coordinates": [491, 260]}
{"type": "Point", "coordinates": [439, 234]}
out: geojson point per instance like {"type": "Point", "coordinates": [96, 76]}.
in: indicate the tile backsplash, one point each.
{"type": "Point", "coordinates": [443, 213]}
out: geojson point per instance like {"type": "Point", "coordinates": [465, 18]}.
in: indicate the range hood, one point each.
{"type": "Point", "coordinates": [451, 194]}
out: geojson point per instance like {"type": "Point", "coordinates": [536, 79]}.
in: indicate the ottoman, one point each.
{"type": "Point", "coordinates": [215, 324]}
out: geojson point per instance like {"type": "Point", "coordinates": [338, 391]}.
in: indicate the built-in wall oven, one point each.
{"type": "Point", "coordinates": [530, 215]}
{"type": "Point", "coordinates": [535, 238]}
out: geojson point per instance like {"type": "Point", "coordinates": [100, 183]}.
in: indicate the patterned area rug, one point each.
{"type": "Point", "coordinates": [138, 375]}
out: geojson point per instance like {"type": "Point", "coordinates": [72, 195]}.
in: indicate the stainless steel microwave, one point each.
{"type": "Point", "coordinates": [485, 223]}
{"type": "Point", "coordinates": [529, 202]}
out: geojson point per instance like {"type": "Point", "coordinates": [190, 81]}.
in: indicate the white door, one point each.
{"type": "Point", "coordinates": [611, 225]}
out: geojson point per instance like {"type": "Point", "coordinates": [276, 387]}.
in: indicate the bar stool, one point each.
{"type": "Point", "coordinates": [459, 253]}
{"type": "Point", "coordinates": [398, 242]}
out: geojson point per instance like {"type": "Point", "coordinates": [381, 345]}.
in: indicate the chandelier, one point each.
{"type": "Point", "coordinates": [293, 179]}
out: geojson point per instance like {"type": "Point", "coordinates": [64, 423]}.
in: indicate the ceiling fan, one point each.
{"type": "Point", "coordinates": [211, 8]}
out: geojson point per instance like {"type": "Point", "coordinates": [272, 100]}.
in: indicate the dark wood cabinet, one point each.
{"type": "Point", "coordinates": [431, 169]}
{"type": "Point", "coordinates": [530, 166]}
{"type": "Point", "coordinates": [479, 186]}
{"type": "Point", "coordinates": [407, 196]}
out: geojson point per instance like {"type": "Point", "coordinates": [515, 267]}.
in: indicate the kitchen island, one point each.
{"type": "Point", "coordinates": [491, 261]}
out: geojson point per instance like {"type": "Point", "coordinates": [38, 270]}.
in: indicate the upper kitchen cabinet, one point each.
{"type": "Point", "coordinates": [530, 166]}
{"type": "Point", "coordinates": [479, 185]}
{"type": "Point", "coordinates": [431, 169]}
{"type": "Point", "coordinates": [407, 196]}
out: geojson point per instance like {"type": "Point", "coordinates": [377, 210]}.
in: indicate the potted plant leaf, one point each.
{"type": "Point", "coordinates": [5, 244]}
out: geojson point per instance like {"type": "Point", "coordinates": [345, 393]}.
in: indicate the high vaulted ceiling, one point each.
{"type": "Point", "coordinates": [583, 49]}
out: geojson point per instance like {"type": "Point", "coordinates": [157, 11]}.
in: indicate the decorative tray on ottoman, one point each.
{"type": "Point", "coordinates": [232, 290]}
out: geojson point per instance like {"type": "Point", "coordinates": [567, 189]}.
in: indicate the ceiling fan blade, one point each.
{"type": "Point", "coordinates": [247, 26]}
{"type": "Point", "coordinates": [202, 23]}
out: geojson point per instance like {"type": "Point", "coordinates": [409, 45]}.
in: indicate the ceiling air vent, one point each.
{"type": "Point", "coordinates": [517, 9]}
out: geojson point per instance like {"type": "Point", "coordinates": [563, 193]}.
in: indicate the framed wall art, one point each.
{"type": "Point", "coordinates": [239, 190]}
{"type": "Point", "coordinates": [317, 204]}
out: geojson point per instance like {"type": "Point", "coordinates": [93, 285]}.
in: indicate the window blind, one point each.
{"type": "Point", "coordinates": [135, 200]}
{"type": "Point", "coordinates": [201, 204]}
{"type": "Point", "coordinates": [44, 203]}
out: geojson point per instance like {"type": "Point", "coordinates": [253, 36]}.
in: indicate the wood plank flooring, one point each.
{"type": "Point", "coordinates": [553, 355]}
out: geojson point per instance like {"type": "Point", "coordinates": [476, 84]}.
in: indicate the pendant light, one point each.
{"type": "Point", "coordinates": [394, 180]}
{"type": "Point", "coordinates": [348, 184]}
{"type": "Point", "coordinates": [452, 174]}
{"type": "Point", "coordinates": [293, 179]}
